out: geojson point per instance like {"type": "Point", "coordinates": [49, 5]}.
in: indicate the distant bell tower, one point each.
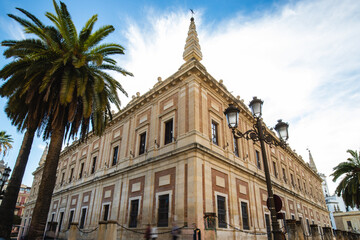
{"type": "Point", "coordinates": [311, 162]}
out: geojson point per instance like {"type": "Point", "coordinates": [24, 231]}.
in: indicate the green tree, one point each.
{"type": "Point", "coordinates": [5, 142]}
{"type": "Point", "coordinates": [349, 186]}
{"type": "Point", "coordinates": [66, 74]}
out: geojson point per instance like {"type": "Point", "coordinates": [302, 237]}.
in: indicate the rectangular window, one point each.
{"type": "Point", "coordinates": [142, 143]}
{"type": "Point", "coordinates": [23, 230]}
{"type": "Point", "coordinates": [221, 212]}
{"type": "Point", "coordinates": [115, 155]}
{"type": "Point", "coordinates": [214, 132]}
{"type": "Point", "coordinates": [258, 162]}
{"type": "Point", "coordinates": [60, 220]}
{"type": "Point", "coordinates": [106, 209]}
{"type": "Point", "coordinates": [93, 167]}
{"type": "Point", "coordinates": [284, 175]}
{"type": "Point", "coordinates": [62, 178]}
{"type": "Point", "coordinates": [349, 225]}
{"type": "Point", "coordinates": [292, 180]}
{"type": "Point", "coordinates": [275, 171]}
{"type": "Point", "coordinates": [308, 225]}
{"type": "Point", "coordinates": [71, 217]}
{"type": "Point", "coordinates": [299, 184]}
{"type": "Point", "coordinates": [268, 227]}
{"type": "Point", "coordinates": [168, 131]}
{"type": "Point", "coordinates": [236, 149]}
{"type": "Point", "coordinates": [134, 207]}
{"type": "Point", "coordinates": [245, 215]}
{"type": "Point", "coordinates": [71, 174]}
{"type": "Point", "coordinates": [163, 211]}
{"type": "Point", "coordinates": [83, 218]}
{"type": "Point", "coordinates": [81, 170]}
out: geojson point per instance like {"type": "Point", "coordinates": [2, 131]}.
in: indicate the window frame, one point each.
{"type": "Point", "coordinates": [236, 146]}
{"type": "Point", "coordinates": [71, 173]}
{"type": "Point", "coordinates": [258, 159]}
{"type": "Point", "coordinates": [268, 225]}
{"type": "Point", "coordinates": [168, 134]}
{"type": "Point", "coordinates": [60, 219]}
{"type": "Point", "coordinates": [242, 214]}
{"type": "Point", "coordinates": [81, 225]}
{"type": "Point", "coordinates": [225, 196]}
{"type": "Point", "coordinates": [93, 165]}
{"type": "Point", "coordinates": [284, 174]}
{"type": "Point", "coordinates": [142, 142]}
{"type": "Point", "coordinates": [71, 217]}
{"type": "Point", "coordinates": [102, 215]}
{"type": "Point", "coordinates": [115, 155]}
{"type": "Point", "coordinates": [138, 210]}
{"type": "Point", "coordinates": [169, 192]}
{"type": "Point", "coordinates": [81, 172]}
{"type": "Point", "coordinates": [275, 169]}
{"type": "Point", "coordinates": [215, 132]}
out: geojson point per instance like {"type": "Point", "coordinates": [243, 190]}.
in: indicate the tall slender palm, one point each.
{"type": "Point", "coordinates": [5, 142]}
{"type": "Point", "coordinates": [75, 90]}
{"type": "Point", "coordinates": [16, 110]}
{"type": "Point", "coordinates": [349, 186]}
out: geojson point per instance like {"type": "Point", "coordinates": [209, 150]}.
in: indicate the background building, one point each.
{"type": "Point", "coordinates": [342, 217]}
{"type": "Point", "coordinates": [23, 196]}
{"type": "Point", "coordinates": [169, 157]}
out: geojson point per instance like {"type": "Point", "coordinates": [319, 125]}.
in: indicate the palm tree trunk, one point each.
{"type": "Point", "coordinates": [10, 197]}
{"type": "Point", "coordinates": [40, 214]}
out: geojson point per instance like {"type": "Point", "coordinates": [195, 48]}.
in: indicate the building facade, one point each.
{"type": "Point", "coordinates": [169, 157]}
{"type": "Point", "coordinates": [23, 196]}
{"type": "Point", "coordinates": [347, 221]}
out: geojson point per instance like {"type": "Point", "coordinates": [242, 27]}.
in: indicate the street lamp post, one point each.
{"type": "Point", "coordinates": [259, 133]}
{"type": "Point", "coordinates": [4, 177]}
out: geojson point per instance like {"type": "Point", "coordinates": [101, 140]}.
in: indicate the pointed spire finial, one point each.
{"type": "Point", "coordinates": [43, 156]}
{"type": "Point", "coordinates": [192, 46]}
{"type": "Point", "coordinates": [311, 163]}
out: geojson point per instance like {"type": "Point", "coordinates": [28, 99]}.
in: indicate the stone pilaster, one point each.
{"type": "Point", "coordinates": [300, 231]}
{"type": "Point", "coordinates": [101, 230]}
{"type": "Point", "coordinates": [292, 233]}
{"type": "Point", "coordinates": [315, 232]}
{"type": "Point", "coordinates": [73, 231]}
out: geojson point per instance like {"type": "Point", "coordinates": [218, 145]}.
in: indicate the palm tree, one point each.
{"type": "Point", "coordinates": [16, 110]}
{"type": "Point", "coordinates": [5, 142]}
{"type": "Point", "coordinates": [349, 186]}
{"type": "Point", "coordinates": [66, 71]}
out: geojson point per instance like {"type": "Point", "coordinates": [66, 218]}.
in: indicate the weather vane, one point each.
{"type": "Point", "coordinates": [192, 12]}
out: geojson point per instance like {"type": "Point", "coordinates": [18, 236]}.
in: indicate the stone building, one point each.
{"type": "Point", "coordinates": [23, 196]}
{"type": "Point", "coordinates": [347, 221]}
{"type": "Point", "coordinates": [169, 157]}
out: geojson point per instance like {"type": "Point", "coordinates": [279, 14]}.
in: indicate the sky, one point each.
{"type": "Point", "coordinates": [301, 57]}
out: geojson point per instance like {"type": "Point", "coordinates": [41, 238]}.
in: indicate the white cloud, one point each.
{"type": "Point", "coordinates": [41, 146]}
{"type": "Point", "coordinates": [12, 28]}
{"type": "Point", "coordinates": [302, 59]}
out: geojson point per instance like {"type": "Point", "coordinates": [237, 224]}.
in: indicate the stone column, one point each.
{"type": "Point", "coordinates": [292, 233]}
{"type": "Point", "coordinates": [300, 231]}
{"type": "Point", "coordinates": [339, 235]}
{"type": "Point", "coordinates": [111, 230]}
{"type": "Point", "coordinates": [327, 233]}
{"type": "Point", "coordinates": [101, 230]}
{"type": "Point", "coordinates": [352, 235]}
{"type": "Point", "coordinates": [73, 231]}
{"type": "Point", "coordinates": [315, 232]}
